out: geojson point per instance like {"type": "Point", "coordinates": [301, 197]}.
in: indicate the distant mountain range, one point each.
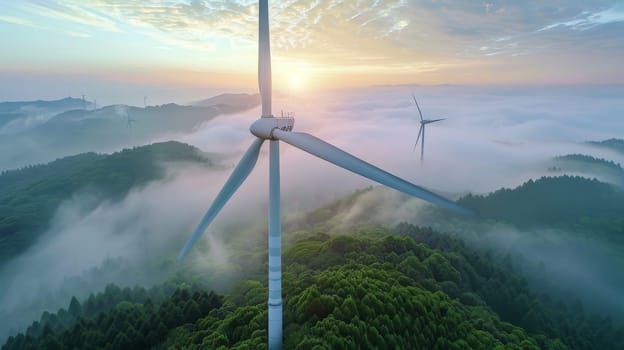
{"type": "Point", "coordinates": [227, 101]}
{"type": "Point", "coordinates": [40, 131]}
{"type": "Point", "coordinates": [20, 116]}
{"type": "Point", "coordinates": [66, 103]}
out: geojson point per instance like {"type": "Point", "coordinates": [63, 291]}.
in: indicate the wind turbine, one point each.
{"type": "Point", "coordinates": [129, 120]}
{"type": "Point", "coordinates": [421, 131]}
{"type": "Point", "coordinates": [276, 129]}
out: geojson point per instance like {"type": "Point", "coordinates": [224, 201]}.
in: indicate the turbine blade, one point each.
{"type": "Point", "coordinates": [264, 59]}
{"type": "Point", "coordinates": [332, 154]}
{"type": "Point", "coordinates": [238, 176]}
{"type": "Point", "coordinates": [433, 120]}
{"type": "Point", "coordinates": [417, 106]}
{"type": "Point", "coordinates": [418, 137]}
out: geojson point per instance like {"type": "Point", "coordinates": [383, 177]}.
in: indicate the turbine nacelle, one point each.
{"type": "Point", "coordinates": [263, 128]}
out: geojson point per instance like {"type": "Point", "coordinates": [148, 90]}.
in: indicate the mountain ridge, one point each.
{"type": "Point", "coordinates": [29, 196]}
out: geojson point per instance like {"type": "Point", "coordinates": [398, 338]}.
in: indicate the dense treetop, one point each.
{"type": "Point", "coordinates": [410, 288]}
{"type": "Point", "coordinates": [405, 287]}
{"type": "Point", "coordinates": [570, 202]}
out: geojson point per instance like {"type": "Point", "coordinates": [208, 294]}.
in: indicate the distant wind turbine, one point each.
{"type": "Point", "coordinates": [129, 121]}
{"type": "Point", "coordinates": [421, 131]}
{"type": "Point", "coordinates": [84, 102]}
{"type": "Point", "coordinates": [274, 129]}
{"type": "Point", "coordinates": [144, 101]}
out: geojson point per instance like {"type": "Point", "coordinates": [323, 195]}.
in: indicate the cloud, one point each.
{"type": "Point", "coordinates": [373, 37]}
{"type": "Point", "coordinates": [17, 20]}
{"type": "Point", "coordinates": [79, 13]}
{"type": "Point", "coordinates": [562, 264]}
{"type": "Point", "coordinates": [587, 20]}
{"type": "Point", "coordinates": [368, 41]}
{"type": "Point", "coordinates": [496, 136]}
{"type": "Point", "coordinates": [130, 242]}
{"type": "Point", "coordinates": [492, 137]}
{"type": "Point", "coordinates": [78, 34]}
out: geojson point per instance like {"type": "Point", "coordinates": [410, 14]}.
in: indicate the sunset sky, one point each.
{"type": "Point", "coordinates": [114, 46]}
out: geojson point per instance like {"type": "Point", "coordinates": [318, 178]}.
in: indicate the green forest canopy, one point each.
{"type": "Point", "coordinates": [570, 202]}
{"type": "Point", "coordinates": [406, 288]}
{"type": "Point", "coordinates": [30, 196]}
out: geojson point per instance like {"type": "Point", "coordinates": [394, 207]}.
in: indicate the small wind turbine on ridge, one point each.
{"type": "Point", "coordinates": [129, 120]}
{"type": "Point", "coordinates": [276, 129]}
{"type": "Point", "coordinates": [421, 131]}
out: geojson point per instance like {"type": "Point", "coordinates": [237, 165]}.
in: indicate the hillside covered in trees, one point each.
{"type": "Point", "coordinates": [30, 196]}
{"type": "Point", "coordinates": [41, 131]}
{"type": "Point", "coordinates": [401, 286]}
{"type": "Point", "coordinates": [408, 287]}
{"type": "Point", "coordinates": [570, 202]}
{"type": "Point", "coordinates": [589, 161]}
{"type": "Point", "coordinates": [588, 166]}
{"type": "Point", "coordinates": [613, 144]}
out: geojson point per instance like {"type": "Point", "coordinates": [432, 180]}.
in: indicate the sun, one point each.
{"type": "Point", "coordinates": [296, 82]}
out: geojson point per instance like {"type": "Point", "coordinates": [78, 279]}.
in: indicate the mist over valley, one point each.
{"type": "Point", "coordinates": [77, 224]}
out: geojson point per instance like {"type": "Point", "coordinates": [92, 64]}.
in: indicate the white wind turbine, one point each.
{"type": "Point", "coordinates": [275, 129]}
{"type": "Point", "coordinates": [421, 131]}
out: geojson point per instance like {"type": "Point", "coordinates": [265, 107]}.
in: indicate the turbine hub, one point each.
{"type": "Point", "coordinates": [263, 127]}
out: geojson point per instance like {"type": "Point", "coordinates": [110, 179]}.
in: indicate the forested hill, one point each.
{"type": "Point", "coordinates": [12, 111]}
{"type": "Point", "coordinates": [589, 161]}
{"type": "Point", "coordinates": [30, 196]}
{"type": "Point", "coordinates": [411, 288]}
{"type": "Point", "coordinates": [614, 144]}
{"type": "Point", "coordinates": [41, 131]}
{"type": "Point", "coordinates": [605, 170]}
{"type": "Point", "coordinates": [566, 201]}
{"type": "Point", "coordinates": [21, 106]}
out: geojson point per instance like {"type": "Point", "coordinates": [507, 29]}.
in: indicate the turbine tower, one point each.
{"type": "Point", "coordinates": [276, 129]}
{"type": "Point", "coordinates": [129, 120]}
{"type": "Point", "coordinates": [421, 131]}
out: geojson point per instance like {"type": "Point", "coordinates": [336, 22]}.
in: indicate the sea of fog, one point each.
{"type": "Point", "coordinates": [492, 137]}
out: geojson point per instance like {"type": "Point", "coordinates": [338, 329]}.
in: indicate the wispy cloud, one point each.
{"type": "Point", "coordinates": [75, 12]}
{"type": "Point", "coordinates": [354, 28]}
{"type": "Point", "coordinates": [78, 34]}
{"type": "Point", "coordinates": [18, 21]}
{"type": "Point", "coordinates": [588, 20]}
{"type": "Point", "coordinates": [363, 38]}
{"type": "Point", "coordinates": [15, 20]}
